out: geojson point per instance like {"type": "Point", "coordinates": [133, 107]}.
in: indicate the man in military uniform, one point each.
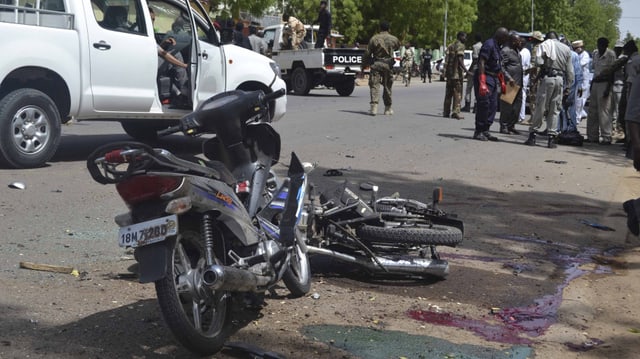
{"type": "Point", "coordinates": [379, 56]}
{"type": "Point", "coordinates": [556, 70]}
{"type": "Point", "coordinates": [294, 33]}
{"type": "Point", "coordinates": [455, 72]}
{"type": "Point", "coordinates": [407, 64]}
{"type": "Point", "coordinates": [472, 69]}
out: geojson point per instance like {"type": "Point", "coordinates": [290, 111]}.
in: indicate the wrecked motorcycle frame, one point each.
{"type": "Point", "coordinates": [386, 236]}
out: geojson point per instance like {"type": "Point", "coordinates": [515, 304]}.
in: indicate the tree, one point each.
{"type": "Point", "coordinates": [232, 8]}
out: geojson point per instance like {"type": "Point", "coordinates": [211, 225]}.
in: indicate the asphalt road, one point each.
{"type": "Point", "coordinates": [521, 205]}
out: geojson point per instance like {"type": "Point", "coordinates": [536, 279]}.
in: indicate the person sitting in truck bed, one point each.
{"type": "Point", "coordinates": [293, 33]}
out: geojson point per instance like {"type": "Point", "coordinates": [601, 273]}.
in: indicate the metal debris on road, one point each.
{"type": "Point", "coordinates": [17, 185]}
{"type": "Point", "coordinates": [599, 226]}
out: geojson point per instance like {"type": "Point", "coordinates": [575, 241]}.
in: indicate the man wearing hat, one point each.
{"type": "Point", "coordinates": [554, 59]}
{"type": "Point", "coordinates": [582, 94]}
{"type": "Point", "coordinates": [536, 39]}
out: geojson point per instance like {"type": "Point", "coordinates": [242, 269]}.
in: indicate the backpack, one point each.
{"type": "Point", "coordinates": [573, 138]}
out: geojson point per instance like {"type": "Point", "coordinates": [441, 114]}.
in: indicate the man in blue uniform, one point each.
{"type": "Point", "coordinates": [486, 81]}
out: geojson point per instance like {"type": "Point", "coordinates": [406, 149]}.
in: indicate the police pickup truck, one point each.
{"type": "Point", "coordinates": [98, 60]}
{"type": "Point", "coordinates": [306, 68]}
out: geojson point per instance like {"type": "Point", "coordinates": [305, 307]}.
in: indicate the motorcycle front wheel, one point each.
{"type": "Point", "coordinates": [297, 278]}
{"type": "Point", "coordinates": [411, 234]}
{"type": "Point", "coordinates": [196, 315]}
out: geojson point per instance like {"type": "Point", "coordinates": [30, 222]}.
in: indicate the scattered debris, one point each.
{"type": "Point", "coordinates": [17, 185]}
{"type": "Point", "coordinates": [634, 330]}
{"type": "Point", "coordinates": [350, 156]}
{"type": "Point", "coordinates": [47, 267]}
{"type": "Point", "coordinates": [333, 172]}
{"type": "Point", "coordinates": [557, 162]}
{"type": "Point", "coordinates": [587, 345]}
{"type": "Point", "coordinates": [599, 226]}
{"type": "Point", "coordinates": [315, 296]}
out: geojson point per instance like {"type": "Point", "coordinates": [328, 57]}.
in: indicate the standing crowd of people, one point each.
{"type": "Point", "coordinates": [509, 73]}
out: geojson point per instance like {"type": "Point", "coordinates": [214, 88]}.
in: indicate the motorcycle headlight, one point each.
{"type": "Point", "coordinates": [276, 69]}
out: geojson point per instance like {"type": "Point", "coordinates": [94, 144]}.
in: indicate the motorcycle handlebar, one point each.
{"type": "Point", "coordinates": [274, 95]}
{"type": "Point", "coordinates": [190, 124]}
{"type": "Point", "coordinates": [170, 130]}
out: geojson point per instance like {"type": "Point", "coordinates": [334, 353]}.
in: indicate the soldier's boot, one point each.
{"type": "Point", "coordinates": [388, 110]}
{"type": "Point", "coordinates": [552, 141]}
{"type": "Point", "coordinates": [531, 141]}
{"type": "Point", "coordinates": [374, 109]}
{"type": "Point", "coordinates": [467, 107]}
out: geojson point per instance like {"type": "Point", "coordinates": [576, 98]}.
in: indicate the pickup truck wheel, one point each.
{"type": "Point", "coordinates": [29, 128]}
{"type": "Point", "coordinates": [300, 81]}
{"type": "Point", "coordinates": [346, 88]}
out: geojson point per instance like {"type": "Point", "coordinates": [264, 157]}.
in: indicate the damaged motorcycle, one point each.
{"type": "Point", "coordinates": [387, 236]}
{"type": "Point", "coordinates": [213, 232]}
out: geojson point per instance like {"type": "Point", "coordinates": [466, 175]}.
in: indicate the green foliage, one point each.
{"type": "Point", "coordinates": [576, 19]}
{"type": "Point", "coordinates": [422, 21]}
{"type": "Point", "coordinates": [232, 8]}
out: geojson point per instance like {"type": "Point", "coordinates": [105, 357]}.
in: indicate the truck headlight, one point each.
{"type": "Point", "coordinates": [276, 69]}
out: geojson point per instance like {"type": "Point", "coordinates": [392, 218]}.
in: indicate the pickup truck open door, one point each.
{"type": "Point", "coordinates": [208, 76]}
{"type": "Point", "coordinates": [123, 56]}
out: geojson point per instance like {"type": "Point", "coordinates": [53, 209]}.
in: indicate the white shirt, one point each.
{"type": "Point", "coordinates": [585, 61]}
{"type": "Point", "coordinates": [525, 55]}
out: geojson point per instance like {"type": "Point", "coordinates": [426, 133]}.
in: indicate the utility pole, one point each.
{"type": "Point", "coordinates": [444, 39]}
{"type": "Point", "coordinates": [532, 15]}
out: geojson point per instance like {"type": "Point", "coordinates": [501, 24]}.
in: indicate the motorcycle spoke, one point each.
{"type": "Point", "coordinates": [195, 313]}
{"type": "Point", "coordinates": [182, 257]}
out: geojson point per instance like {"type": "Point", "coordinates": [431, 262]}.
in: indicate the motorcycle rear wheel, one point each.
{"type": "Point", "coordinates": [197, 316]}
{"type": "Point", "coordinates": [414, 235]}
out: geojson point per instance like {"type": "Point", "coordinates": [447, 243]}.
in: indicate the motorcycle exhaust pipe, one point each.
{"type": "Point", "coordinates": [232, 279]}
{"type": "Point", "coordinates": [398, 265]}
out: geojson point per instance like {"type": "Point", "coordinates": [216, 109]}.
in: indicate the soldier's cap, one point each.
{"type": "Point", "coordinates": [577, 43]}
{"type": "Point", "coordinates": [537, 35]}
{"type": "Point", "coordinates": [619, 44]}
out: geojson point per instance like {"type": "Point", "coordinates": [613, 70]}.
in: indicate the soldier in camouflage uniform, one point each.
{"type": "Point", "coordinates": [455, 72]}
{"type": "Point", "coordinates": [407, 64]}
{"type": "Point", "coordinates": [379, 56]}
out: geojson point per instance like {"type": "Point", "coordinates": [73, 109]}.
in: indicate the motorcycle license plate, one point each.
{"type": "Point", "coordinates": [144, 233]}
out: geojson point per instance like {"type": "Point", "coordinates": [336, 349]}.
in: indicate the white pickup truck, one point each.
{"type": "Point", "coordinates": [98, 60]}
{"type": "Point", "coordinates": [307, 68]}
